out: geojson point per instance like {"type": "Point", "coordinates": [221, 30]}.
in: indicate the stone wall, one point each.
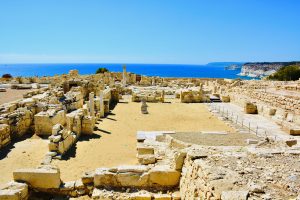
{"type": "Point", "coordinates": [148, 96]}
{"type": "Point", "coordinates": [191, 96]}
{"type": "Point", "coordinates": [289, 103]}
{"type": "Point", "coordinates": [4, 135]}
{"type": "Point", "coordinates": [45, 120]}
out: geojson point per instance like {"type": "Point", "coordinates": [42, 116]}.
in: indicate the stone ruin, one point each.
{"type": "Point", "coordinates": [168, 168]}
{"type": "Point", "coordinates": [144, 107]}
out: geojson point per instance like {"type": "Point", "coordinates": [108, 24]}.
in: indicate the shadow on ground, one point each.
{"type": "Point", "coordinates": [8, 148]}
{"type": "Point", "coordinates": [71, 153]}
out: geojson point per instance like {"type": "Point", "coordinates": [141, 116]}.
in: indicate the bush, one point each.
{"type": "Point", "coordinates": [287, 73]}
{"type": "Point", "coordinates": [6, 76]}
{"type": "Point", "coordinates": [101, 70]}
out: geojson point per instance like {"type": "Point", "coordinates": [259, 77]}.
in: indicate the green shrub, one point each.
{"type": "Point", "coordinates": [286, 73]}
{"type": "Point", "coordinates": [101, 70]}
{"type": "Point", "coordinates": [6, 76]}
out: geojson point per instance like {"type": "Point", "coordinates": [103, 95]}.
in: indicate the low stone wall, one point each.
{"type": "Point", "coordinates": [61, 139]}
{"type": "Point", "coordinates": [148, 96]}
{"type": "Point", "coordinates": [45, 120]}
{"type": "Point", "coordinates": [288, 103]}
{"type": "Point", "coordinates": [192, 96]}
{"type": "Point", "coordinates": [4, 135]}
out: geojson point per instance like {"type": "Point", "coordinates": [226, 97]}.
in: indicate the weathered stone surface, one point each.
{"type": "Point", "coordinates": [291, 142]}
{"type": "Point", "coordinates": [44, 121]}
{"type": "Point", "coordinates": [234, 195]}
{"type": "Point", "coordinates": [164, 176]}
{"type": "Point", "coordinates": [14, 191]}
{"type": "Point", "coordinates": [250, 108]}
{"type": "Point", "coordinates": [146, 159]}
{"type": "Point", "coordinates": [251, 141]}
{"type": "Point", "coordinates": [176, 195]}
{"type": "Point", "coordinates": [45, 177]}
{"type": "Point", "coordinates": [143, 149]}
{"type": "Point", "coordinates": [162, 197]}
{"type": "Point", "coordinates": [88, 177]}
{"type": "Point", "coordinates": [104, 178]}
{"type": "Point", "coordinates": [132, 168]}
{"type": "Point", "coordinates": [178, 160]}
{"type": "Point", "coordinates": [131, 179]}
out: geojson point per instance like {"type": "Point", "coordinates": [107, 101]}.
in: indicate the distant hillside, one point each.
{"type": "Point", "coordinates": [225, 63]}
{"type": "Point", "coordinates": [262, 69]}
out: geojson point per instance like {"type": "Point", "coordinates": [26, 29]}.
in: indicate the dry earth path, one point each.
{"type": "Point", "coordinates": [27, 153]}
{"type": "Point", "coordinates": [115, 141]}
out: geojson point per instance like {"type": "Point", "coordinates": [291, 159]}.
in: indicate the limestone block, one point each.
{"type": "Point", "coordinates": [131, 179]}
{"type": "Point", "coordinates": [143, 149]}
{"type": "Point", "coordinates": [4, 135]}
{"type": "Point", "coordinates": [178, 160]}
{"type": "Point", "coordinates": [162, 197]}
{"type": "Point", "coordinates": [225, 99]}
{"type": "Point", "coordinates": [132, 168]}
{"type": "Point", "coordinates": [176, 195]}
{"type": "Point", "coordinates": [55, 138]}
{"type": "Point", "coordinates": [294, 131]}
{"type": "Point", "coordinates": [291, 142]}
{"type": "Point", "coordinates": [104, 178]}
{"type": "Point", "coordinates": [14, 191]}
{"type": "Point", "coordinates": [140, 196]}
{"type": "Point", "coordinates": [250, 108]}
{"type": "Point", "coordinates": [88, 177]}
{"type": "Point", "coordinates": [234, 195]}
{"type": "Point", "coordinates": [53, 146]}
{"type": "Point", "coordinates": [56, 128]}
{"type": "Point", "coordinates": [44, 121]}
{"type": "Point", "coordinates": [102, 195]}
{"type": "Point", "coordinates": [67, 187]}
{"type": "Point", "coordinates": [88, 124]}
{"type": "Point", "coordinates": [146, 159]}
{"type": "Point", "coordinates": [45, 177]}
{"type": "Point", "coordinates": [164, 176]}
{"type": "Point", "coordinates": [251, 141]}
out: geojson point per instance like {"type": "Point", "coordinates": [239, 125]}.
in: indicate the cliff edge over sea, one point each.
{"type": "Point", "coordinates": [262, 69]}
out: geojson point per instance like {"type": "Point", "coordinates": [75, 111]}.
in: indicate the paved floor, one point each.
{"type": "Point", "coordinates": [262, 125]}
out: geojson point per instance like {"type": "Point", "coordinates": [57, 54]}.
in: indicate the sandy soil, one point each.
{"type": "Point", "coordinates": [231, 139]}
{"type": "Point", "coordinates": [12, 95]}
{"type": "Point", "coordinates": [115, 141]}
{"type": "Point", "coordinates": [23, 154]}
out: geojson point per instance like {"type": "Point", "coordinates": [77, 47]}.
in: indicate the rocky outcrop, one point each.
{"type": "Point", "coordinates": [258, 70]}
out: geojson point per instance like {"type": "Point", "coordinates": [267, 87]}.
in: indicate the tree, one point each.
{"type": "Point", "coordinates": [286, 73]}
{"type": "Point", "coordinates": [101, 70]}
{"type": "Point", "coordinates": [6, 76]}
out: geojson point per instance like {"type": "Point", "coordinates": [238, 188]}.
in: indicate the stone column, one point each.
{"type": "Point", "coordinates": [92, 104]}
{"type": "Point", "coordinates": [163, 96]}
{"type": "Point", "coordinates": [101, 104]}
{"type": "Point", "coordinates": [124, 76]}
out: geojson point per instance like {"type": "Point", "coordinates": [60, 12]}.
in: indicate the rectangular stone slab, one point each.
{"type": "Point", "coordinates": [143, 135]}
{"type": "Point", "coordinates": [46, 177]}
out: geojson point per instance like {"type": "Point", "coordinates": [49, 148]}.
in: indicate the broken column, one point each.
{"type": "Point", "coordinates": [101, 104]}
{"type": "Point", "coordinates": [144, 107]}
{"type": "Point", "coordinates": [91, 104]}
{"type": "Point", "coordinates": [124, 76]}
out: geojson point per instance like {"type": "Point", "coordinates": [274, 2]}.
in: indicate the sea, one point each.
{"type": "Point", "coordinates": [211, 70]}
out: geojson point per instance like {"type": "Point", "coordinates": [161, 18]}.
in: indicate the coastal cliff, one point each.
{"type": "Point", "coordinates": [262, 69]}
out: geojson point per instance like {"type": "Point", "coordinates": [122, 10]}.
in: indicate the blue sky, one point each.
{"type": "Point", "coordinates": [148, 31]}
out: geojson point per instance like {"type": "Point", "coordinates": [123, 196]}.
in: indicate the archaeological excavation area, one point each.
{"type": "Point", "coordinates": [125, 136]}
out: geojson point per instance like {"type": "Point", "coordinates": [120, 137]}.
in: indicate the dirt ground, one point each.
{"type": "Point", "coordinates": [27, 153]}
{"type": "Point", "coordinates": [114, 143]}
{"type": "Point", "coordinates": [12, 95]}
{"type": "Point", "coordinates": [231, 139]}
